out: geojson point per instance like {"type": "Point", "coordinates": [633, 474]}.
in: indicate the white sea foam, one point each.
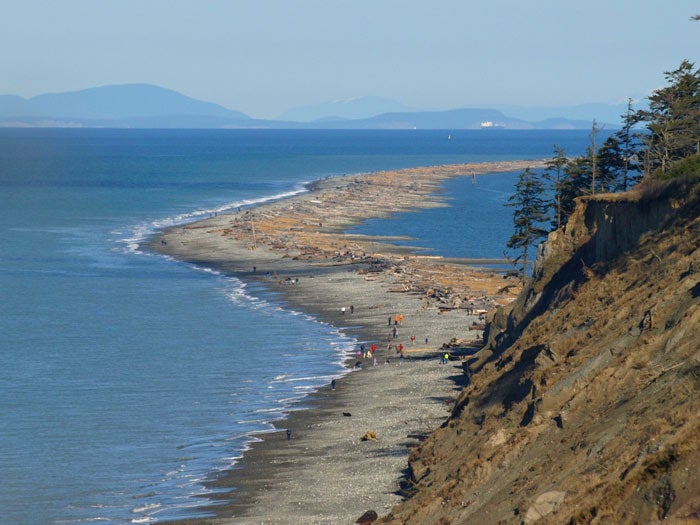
{"type": "Point", "coordinates": [208, 270]}
{"type": "Point", "coordinates": [306, 389]}
{"type": "Point", "coordinates": [146, 508]}
{"type": "Point", "coordinates": [288, 400]}
{"type": "Point", "coordinates": [140, 232]}
{"type": "Point", "coordinates": [237, 292]}
{"type": "Point", "coordinates": [255, 421]}
{"type": "Point", "coordinates": [275, 410]}
{"type": "Point", "coordinates": [96, 519]}
{"type": "Point", "coordinates": [307, 378]}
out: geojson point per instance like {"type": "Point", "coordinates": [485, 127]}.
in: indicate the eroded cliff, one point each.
{"type": "Point", "coordinates": [584, 404]}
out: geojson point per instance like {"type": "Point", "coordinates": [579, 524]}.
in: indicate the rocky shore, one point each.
{"type": "Point", "coordinates": [414, 309]}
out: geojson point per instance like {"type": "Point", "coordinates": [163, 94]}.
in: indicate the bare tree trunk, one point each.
{"type": "Point", "coordinates": [524, 274]}
{"type": "Point", "coordinates": [594, 154]}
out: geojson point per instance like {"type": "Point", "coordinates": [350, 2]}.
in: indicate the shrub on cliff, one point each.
{"type": "Point", "coordinates": [688, 168]}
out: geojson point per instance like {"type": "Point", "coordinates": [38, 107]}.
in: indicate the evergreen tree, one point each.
{"type": "Point", "coordinates": [529, 215]}
{"type": "Point", "coordinates": [593, 153]}
{"type": "Point", "coordinates": [576, 182]}
{"type": "Point", "coordinates": [673, 118]}
{"type": "Point", "coordinates": [630, 145]}
{"type": "Point", "coordinates": [611, 165]}
{"type": "Point", "coordinates": [554, 174]}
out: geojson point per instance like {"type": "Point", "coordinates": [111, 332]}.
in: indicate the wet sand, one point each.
{"type": "Point", "coordinates": [324, 472]}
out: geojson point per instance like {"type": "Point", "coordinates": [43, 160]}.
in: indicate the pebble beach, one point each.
{"type": "Point", "coordinates": [345, 451]}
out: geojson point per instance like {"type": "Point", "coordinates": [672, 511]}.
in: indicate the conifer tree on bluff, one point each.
{"type": "Point", "coordinates": [671, 133]}
{"type": "Point", "coordinates": [529, 215]}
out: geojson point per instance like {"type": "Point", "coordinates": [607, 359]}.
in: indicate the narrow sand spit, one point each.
{"type": "Point", "coordinates": [324, 472]}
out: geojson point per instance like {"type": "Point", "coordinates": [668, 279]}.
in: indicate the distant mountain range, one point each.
{"type": "Point", "coordinates": [128, 105]}
{"type": "Point", "coordinates": [345, 109]}
{"type": "Point", "coordinates": [467, 118]}
{"type": "Point", "coordinates": [363, 108]}
{"type": "Point", "coordinates": [148, 106]}
{"type": "Point", "coordinates": [603, 113]}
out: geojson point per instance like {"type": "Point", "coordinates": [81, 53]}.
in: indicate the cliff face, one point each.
{"type": "Point", "coordinates": [584, 404]}
{"type": "Point", "coordinates": [600, 229]}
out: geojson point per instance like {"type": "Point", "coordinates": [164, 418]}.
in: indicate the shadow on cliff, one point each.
{"type": "Point", "coordinates": [600, 230]}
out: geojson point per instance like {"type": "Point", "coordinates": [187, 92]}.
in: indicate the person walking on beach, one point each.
{"type": "Point", "coordinates": [394, 332]}
{"type": "Point", "coordinates": [333, 385]}
{"type": "Point", "coordinates": [389, 320]}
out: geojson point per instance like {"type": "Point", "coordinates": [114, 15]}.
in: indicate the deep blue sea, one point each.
{"type": "Point", "coordinates": [127, 378]}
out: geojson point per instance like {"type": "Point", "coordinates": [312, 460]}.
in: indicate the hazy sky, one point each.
{"type": "Point", "coordinates": [265, 56]}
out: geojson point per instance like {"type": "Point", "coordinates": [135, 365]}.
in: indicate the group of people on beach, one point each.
{"type": "Point", "coordinates": [273, 275]}
{"type": "Point", "coordinates": [394, 322]}
{"type": "Point", "coordinates": [366, 353]}
{"type": "Point", "coordinates": [398, 319]}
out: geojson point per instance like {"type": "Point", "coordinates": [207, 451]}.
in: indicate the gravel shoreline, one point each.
{"type": "Point", "coordinates": [324, 472]}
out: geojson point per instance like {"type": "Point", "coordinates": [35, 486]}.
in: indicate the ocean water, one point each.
{"type": "Point", "coordinates": [127, 378]}
{"type": "Point", "coordinates": [475, 225]}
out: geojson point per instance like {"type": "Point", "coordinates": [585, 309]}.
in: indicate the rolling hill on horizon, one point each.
{"type": "Point", "coordinates": [123, 105]}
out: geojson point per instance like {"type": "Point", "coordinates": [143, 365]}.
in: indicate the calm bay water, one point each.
{"type": "Point", "coordinates": [127, 378]}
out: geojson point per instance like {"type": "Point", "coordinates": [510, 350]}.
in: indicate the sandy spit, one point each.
{"type": "Point", "coordinates": [324, 473]}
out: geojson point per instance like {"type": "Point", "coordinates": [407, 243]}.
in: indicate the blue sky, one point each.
{"type": "Point", "coordinates": [265, 56]}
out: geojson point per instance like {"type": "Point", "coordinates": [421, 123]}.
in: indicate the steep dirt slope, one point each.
{"type": "Point", "coordinates": [584, 407]}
